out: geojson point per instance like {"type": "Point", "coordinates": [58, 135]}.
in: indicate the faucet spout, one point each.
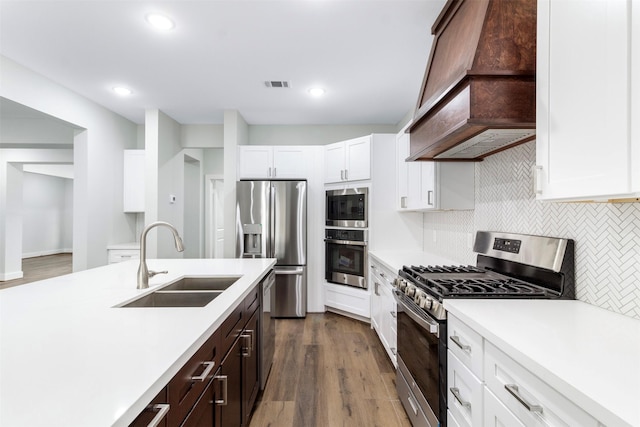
{"type": "Point", "coordinates": [143, 271]}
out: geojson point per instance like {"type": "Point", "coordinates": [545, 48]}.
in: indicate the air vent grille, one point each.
{"type": "Point", "coordinates": [277, 83]}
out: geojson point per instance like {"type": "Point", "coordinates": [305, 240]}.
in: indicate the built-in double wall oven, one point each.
{"type": "Point", "coordinates": [346, 237]}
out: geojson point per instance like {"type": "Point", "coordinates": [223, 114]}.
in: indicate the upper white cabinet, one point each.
{"type": "Point", "coordinates": [273, 162]}
{"type": "Point", "coordinates": [348, 160]}
{"type": "Point", "coordinates": [424, 186]}
{"type": "Point", "coordinates": [588, 126]}
{"type": "Point", "coordinates": [133, 191]}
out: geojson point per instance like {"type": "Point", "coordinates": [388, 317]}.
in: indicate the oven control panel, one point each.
{"type": "Point", "coordinates": [507, 245]}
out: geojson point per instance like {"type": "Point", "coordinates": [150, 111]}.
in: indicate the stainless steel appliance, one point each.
{"type": "Point", "coordinates": [508, 266]}
{"type": "Point", "coordinates": [347, 208]}
{"type": "Point", "coordinates": [271, 222]}
{"type": "Point", "coordinates": [346, 257]}
{"type": "Point", "coordinates": [267, 329]}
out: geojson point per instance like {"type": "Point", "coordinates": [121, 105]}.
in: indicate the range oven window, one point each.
{"type": "Point", "coordinates": [347, 208]}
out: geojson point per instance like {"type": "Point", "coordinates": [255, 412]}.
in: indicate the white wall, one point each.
{"type": "Point", "coordinates": [46, 212]}
{"type": "Point", "coordinates": [98, 217]}
{"type": "Point", "coordinates": [311, 134]}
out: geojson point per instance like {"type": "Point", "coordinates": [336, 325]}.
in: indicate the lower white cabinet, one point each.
{"type": "Point", "coordinates": [121, 255]}
{"type": "Point", "coordinates": [348, 300]}
{"type": "Point", "coordinates": [383, 307]}
{"type": "Point", "coordinates": [502, 392]}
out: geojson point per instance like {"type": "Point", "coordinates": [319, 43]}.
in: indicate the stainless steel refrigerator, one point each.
{"type": "Point", "coordinates": [271, 222]}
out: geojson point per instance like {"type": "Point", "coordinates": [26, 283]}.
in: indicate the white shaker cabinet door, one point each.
{"type": "Point", "coordinates": [334, 163]}
{"type": "Point", "coordinates": [255, 162]}
{"type": "Point", "coordinates": [583, 80]}
{"type": "Point", "coordinates": [358, 158]}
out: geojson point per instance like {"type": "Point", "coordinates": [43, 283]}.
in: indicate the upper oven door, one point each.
{"type": "Point", "coordinates": [347, 208]}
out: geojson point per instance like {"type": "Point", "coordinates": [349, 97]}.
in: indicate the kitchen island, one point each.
{"type": "Point", "coordinates": [69, 356]}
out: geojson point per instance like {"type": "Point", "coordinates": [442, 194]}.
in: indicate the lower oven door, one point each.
{"type": "Point", "coordinates": [346, 262]}
{"type": "Point", "coordinates": [422, 356]}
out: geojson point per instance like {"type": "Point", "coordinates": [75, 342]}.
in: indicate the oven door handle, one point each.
{"type": "Point", "coordinates": [430, 325]}
{"type": "Point", "coordinates": [346, 242]}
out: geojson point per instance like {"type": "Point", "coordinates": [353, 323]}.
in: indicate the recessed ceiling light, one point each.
{"type": "Point", "coordinates": [122, 91]}
{"type": "Point", "coordinates": [316, 91]}
{"type": "Point", "coordinates": [160, 22]}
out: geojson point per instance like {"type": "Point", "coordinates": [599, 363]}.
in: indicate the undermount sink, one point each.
{"type": "Point", "coordinates": [174, 299]}
{"type": "Point", "coordinates": [218, 283]}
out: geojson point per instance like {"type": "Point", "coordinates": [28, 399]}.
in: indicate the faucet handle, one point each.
{"type": "Point", "coordinates": [153, 273]}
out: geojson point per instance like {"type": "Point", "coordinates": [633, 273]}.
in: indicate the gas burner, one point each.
{"type": "Point", "coordinates": [485, 287]}
{"type": "Point", "coordinates": [442, 269]}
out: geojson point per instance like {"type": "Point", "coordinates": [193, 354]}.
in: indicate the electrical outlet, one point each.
{"type": "Point", "coordinates": [172, 199]}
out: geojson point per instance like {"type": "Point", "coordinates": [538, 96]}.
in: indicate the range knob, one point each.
{"type": "Point", "coordinates": [410, 290]}
{"type": "Point", "coordinates": [426, 302]}
{"type": "Point", "coordinates": [400, 284]}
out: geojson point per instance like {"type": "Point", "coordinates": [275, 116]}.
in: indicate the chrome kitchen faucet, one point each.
{"type": "Point", "coordinates": [143, 271]}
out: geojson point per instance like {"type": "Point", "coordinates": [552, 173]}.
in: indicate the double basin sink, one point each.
{"type": "Point", "coordinates": [186, 292]}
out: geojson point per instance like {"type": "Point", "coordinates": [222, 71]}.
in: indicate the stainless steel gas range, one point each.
{"type": "Point", "coordinates": [508, 266]}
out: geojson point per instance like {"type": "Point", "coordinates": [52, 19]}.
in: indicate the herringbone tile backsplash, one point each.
{"type": "Point", "coordinates": [607, 235]}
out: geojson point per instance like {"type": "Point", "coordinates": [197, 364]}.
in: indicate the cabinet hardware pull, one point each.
{"type": "Point", "coordinates": [223, 379]}
{"type": "Point", "coordinates": [275, 173]}
{"type": "Point", "coordinates": [375, 288]}
{"type": "Point", "coordinates": [403, 202]}
{"type": "Point", "coordinates": [430, 197]}
{"type": "Point", "coordinates": [414, 407]}
{"type": "Point", "coordinates": [394, 314]}
{"type": "Point", "coordinates": [393, 350]}
{"type": "Point", "coordinates": [456, 393]}
{"type": "Point", "coordinates": [515, 392]}
{"type": "Point", "coordinates": [456, 341]}
{"type": "Point", "coordinates": [341, 174]}
{"type": "Point", "coordinates": [203, 376]}
{"type": "Point", "coordinates": [163, 409]}
{"type": "Point", "coordinates": [537, 179]}
{"type": "Point", "coordinates": [346, 174]}
{"type": "Point", "coordinates": [246, 350]}
{"type": "Point", "coordinates": [269, 173]}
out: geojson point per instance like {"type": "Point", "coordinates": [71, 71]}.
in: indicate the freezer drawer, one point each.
{"type": "Point", "coordinates": [289, 295]}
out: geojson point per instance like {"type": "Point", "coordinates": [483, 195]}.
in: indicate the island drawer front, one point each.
{"type": "Point", "coordinates": [252, 301]}
{"type": "Point", "coordinates": [187, 385]}
{"type": "Point", "coordinates": [466, 344]}
{"type": "Point", "coordinates": [146, 417]}
{"type": "Point", "coordinates": [231, 328]}
{"type": "Point", "coordinates": [496, 414]}
{"type": "Point", "coordinates": [518, 388]}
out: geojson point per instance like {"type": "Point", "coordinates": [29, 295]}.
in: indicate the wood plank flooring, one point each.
{"type": "Point", "coordinates": [329, 371]}
{"type": "Point", "coordinates": [40, 268]}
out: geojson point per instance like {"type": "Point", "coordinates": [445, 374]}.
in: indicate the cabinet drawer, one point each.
{"type": "Point", "coordinates": [464, 396]}
{"type": "Point", "coordinates": [451, 421]}
{"type": "Point", "coordinates": [496, 414]}
{"type": "Point", "coordinates": [251, 302]}
{"type": "Point", "coordinates": [158, 407]}
{"type": "Point", "coordinates": [466, 344]}
{"type": "Point", "coordinates": [120, 255]}
{"type": "Point", "coordinates": [531, 400]}
{"type": "Point", "coordinates": [231, 328]}
{"type": "Point", "coordinates": [187, 385]}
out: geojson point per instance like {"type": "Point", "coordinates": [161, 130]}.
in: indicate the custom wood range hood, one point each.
{"type": "Point", "coordinates": [478, 93]}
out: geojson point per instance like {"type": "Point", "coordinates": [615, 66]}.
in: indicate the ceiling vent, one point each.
{"type": "Point", "coordinates": [277, 83]}
{"type": "Point", "coordinates": [478, 96]}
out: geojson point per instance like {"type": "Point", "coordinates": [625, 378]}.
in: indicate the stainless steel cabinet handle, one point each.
{"type": "Point", "coordinates": [394, 351]}
{"type": "Point", "coordinates": [456, 341]}
{"type": "Point", "coordinates": [515, 392]}
{"type": "Point", "coordinates": [430, 197]}
{"type": "Point", "coordinates": [223, 379]}
{"type": "Point", "coordinates": [403, 202]}
{"type": "Point", "coordinates": [269, 172]}
{"type": "Point", "coordinates": [246, 350]}
{"type": "Point", "coordinates": [346, 174]}
{"type": "Point", "coordinates": [456, 393]}
{"type": "Point", "coordinates": [163, 409]}
{"type": "Point", "coordinates": [275, 172]}
{"type": "Point", "coordinates": [537, 179]}
{"type": "Point", "coordinates": [382, 275]}
{"type": "Point", "coordinates": [414, 407]}
{"type": "Point", "coordinates": [341, 174]}
{"type": "Point", "coordinates": [203, 376]}
{"type": "Point", "coordinates": [375, 288]}
{"type": "Point", "coordinates": [394, 314]}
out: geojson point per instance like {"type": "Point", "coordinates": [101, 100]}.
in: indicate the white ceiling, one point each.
{"type": "Point", "coordinates": [369, 55]}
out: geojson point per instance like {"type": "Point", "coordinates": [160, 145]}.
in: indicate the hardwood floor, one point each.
{"type": "Point", "coordinates": [40, 268]}
{"type": "Point", "coordinates": [329, 371]}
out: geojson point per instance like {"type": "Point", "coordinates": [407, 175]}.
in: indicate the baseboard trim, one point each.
{"type": "Point", "coordinates": [11, 276]}
{"type": "Point", "coordinates": [45, 253]}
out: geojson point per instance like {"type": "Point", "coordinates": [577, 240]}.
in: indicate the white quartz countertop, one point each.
{"type": "Point", "coordinates": [588, 354]}
{"type": "Point", "coordinates": [69, 358]}
{"type": "Point", "coordinates": [394, 260]}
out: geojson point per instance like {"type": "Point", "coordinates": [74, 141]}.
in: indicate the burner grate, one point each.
{"type": "Point", "coordinates": [484, 287]}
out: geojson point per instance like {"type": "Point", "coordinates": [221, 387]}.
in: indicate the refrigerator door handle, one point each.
{"type": "Point", "coordinates": [295, 272]}
{"type": "Point", "coordinates": [272, 224]}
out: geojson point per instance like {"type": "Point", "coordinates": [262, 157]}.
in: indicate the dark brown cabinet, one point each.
{"type": "Point", "coordinates": [219, 385]}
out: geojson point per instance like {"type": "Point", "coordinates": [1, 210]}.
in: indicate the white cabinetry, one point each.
{"type": "Point", "coordinates": [133, 190]}
{"type": "Point", "coordinates": [588, 132]}
{"type": "Point", "coordinates": [383, 307]}
{"type": "Point", "coordinates": [487, 387]}
{"type": "Point", "coordinates": [348, 300]}
{"type": "Point", "coordinates": [348, 160]}
{"type": "Point", "coordinates": [425, 186]}
{"type": "Point", "coordinates": [123, 252]}
{"type": "Point", "coordinates": [268, 162]}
